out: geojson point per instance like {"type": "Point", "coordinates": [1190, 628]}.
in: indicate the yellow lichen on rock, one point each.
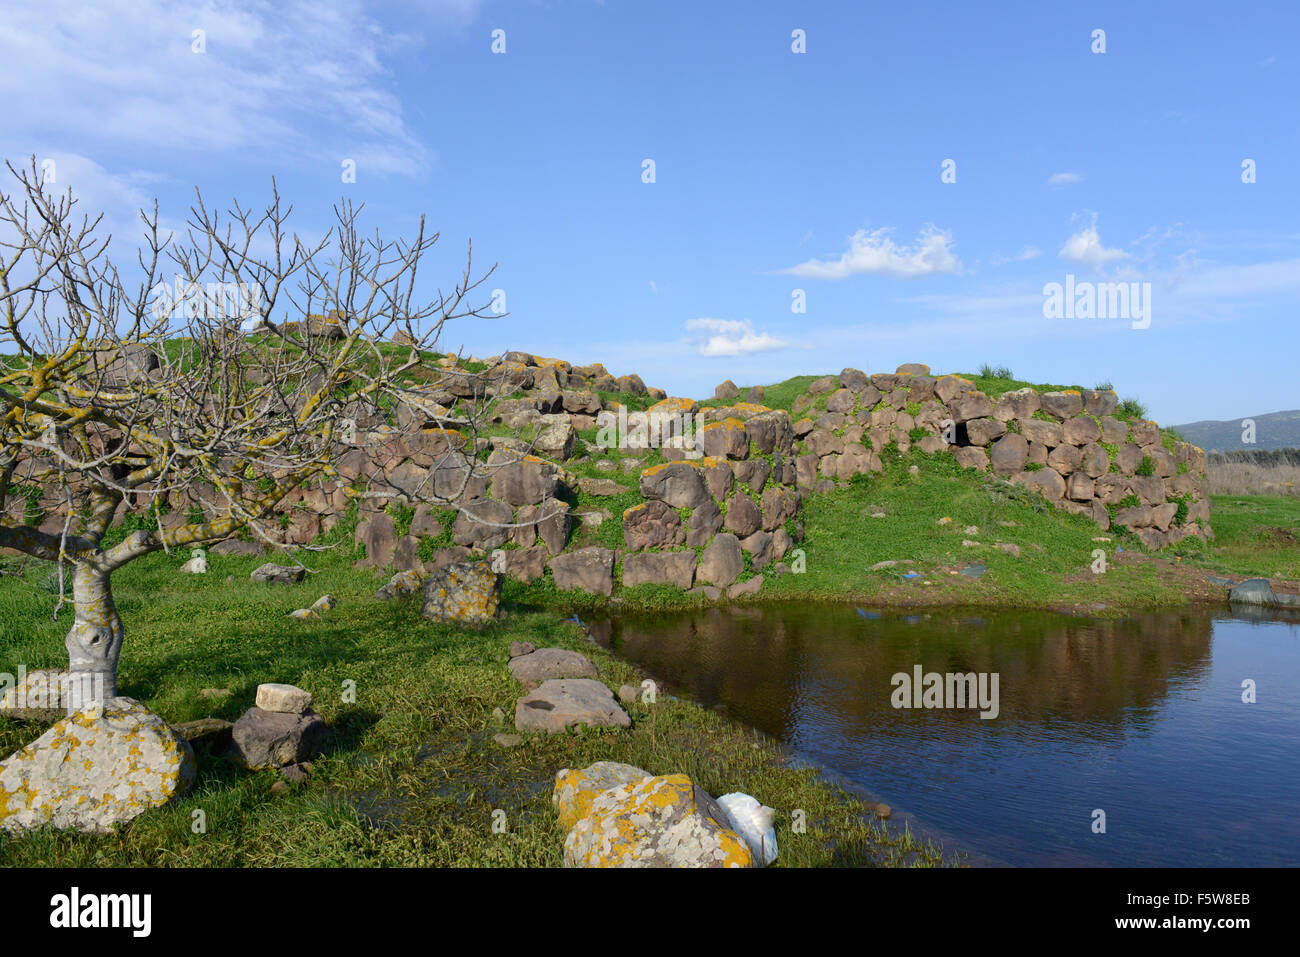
{"type": "Point", "coordinates": [439, 440]}
{"type": "Point", "coordinates": [673, 405]}
{"type": "Point", "coordinates": [729, 423]}
{"type": "Point", "coordinates": [655, 822]}
{"type": "Point", "coordinates": [576, 788]}
{"type": "Point", "coordinates": [122, 760]}
{"type": "Point", "coordinates": [704, 462]}
{"type": "Point", "coordinates": [466, 593]}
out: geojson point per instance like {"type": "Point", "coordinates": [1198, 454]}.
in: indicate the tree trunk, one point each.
{"type": "Point", "coordinates": [95, 640]}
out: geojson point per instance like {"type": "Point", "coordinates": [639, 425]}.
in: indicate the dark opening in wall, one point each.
{"type": "Point", "coordinates": [961, 435]}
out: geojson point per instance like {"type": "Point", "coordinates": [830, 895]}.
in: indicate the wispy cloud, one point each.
{"type": "Point", "coordinates": [294, 79]}
{"type": "Point", "coordinates": [1085, 247]}
{"type": "Point", "coordinates": [1064, 179]}
{"type": "Point", "coordinates": [730, 337]}
{"type": "Point", "coordinates": [117, 199]}
{"type": "Point", "coordinates": [1026, 254]}
{"type": "Point", "coordinates": [876, 252]}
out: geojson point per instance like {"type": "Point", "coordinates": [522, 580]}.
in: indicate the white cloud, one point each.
{"type": "Point", "coordinates": [1026, 254]}
{"type": "Point", "coordinates": [116, 198]}
{"type": "Point", "coordinates": [1085, 247]}
{"type": "Point", "coordinates": [1064, 179]}
{"type": "Point", "coordinates": [730, 337]}
{"type": "Point", "coordinates": [876, 252]}
{"type": "Point", "coordinates": [295, 79]}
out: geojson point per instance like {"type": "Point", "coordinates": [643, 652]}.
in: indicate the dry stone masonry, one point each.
{"type": "Point", "coordinates": [715, 513]}
{"type": "Point", "coordinates": [1067, 446]}
{"type": "Point", "coordinates": [280, 731]}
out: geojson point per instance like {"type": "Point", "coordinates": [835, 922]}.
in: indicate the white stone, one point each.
{"type": "Point", "coordinates": [283, 699]}
{"type": "Point", "coordinates": [94, 769]}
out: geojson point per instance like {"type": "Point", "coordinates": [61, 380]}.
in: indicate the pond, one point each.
{"type": "Point", "coordinates": [1142, 719]}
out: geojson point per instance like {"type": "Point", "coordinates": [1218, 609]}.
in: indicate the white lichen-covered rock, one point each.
{"type": "Point", "coordinates": [401, 585]}
{"type": "Point", "coordinates": [273, 574]}
{"type": "Point", "coordinates": [462, 593]}
{"type": "Point", "coordinates": [655, 822]}
{"type": "Point", "coordinates": [576, 788]}
{"type": "Point", "coordinates": [99, 767]}
{"type": "Point", "coordinates": [323, 604]}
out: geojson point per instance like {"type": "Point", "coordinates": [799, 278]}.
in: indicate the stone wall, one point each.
{"type": "Point", "coordinates": [738, 491]}
{"type": "Point", "coordinates": [1068, 446]}
{"type": "Point", "coordinates": [702, 507]}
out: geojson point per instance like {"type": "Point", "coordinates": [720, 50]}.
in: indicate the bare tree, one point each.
{"type": "Point", "coordinates": [110, 402]}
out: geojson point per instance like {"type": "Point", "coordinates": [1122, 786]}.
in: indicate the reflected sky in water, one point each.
{"type": "Point", "coordinates": [1142, 718]}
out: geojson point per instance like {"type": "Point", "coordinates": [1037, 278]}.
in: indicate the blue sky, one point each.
{"type": "Point", "coordinates": [775, 171]}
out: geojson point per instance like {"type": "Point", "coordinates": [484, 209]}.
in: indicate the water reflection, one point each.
{"type": "Point", "coordinates": [1141, 718]}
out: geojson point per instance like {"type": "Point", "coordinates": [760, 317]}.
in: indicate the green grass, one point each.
{"type": "Point", "coordinates": [1255, 535]}
{"type": "Point", "coordinates": [1053, 568]}
{"type": "Point", "coordinates": [779, 396]}
{"type": "Point", "coordinates": [841, 543]}
{"type": "Point", "coordinates": [410, 776]}
{"type": "Point", "coordinates": [994, 386]}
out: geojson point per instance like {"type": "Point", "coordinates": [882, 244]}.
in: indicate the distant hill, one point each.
{"type": "Point", "coordinates": [1273, 430]}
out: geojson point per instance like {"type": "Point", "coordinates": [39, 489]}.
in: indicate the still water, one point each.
{"type": "Point", "coordinates": [1141, 718]}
